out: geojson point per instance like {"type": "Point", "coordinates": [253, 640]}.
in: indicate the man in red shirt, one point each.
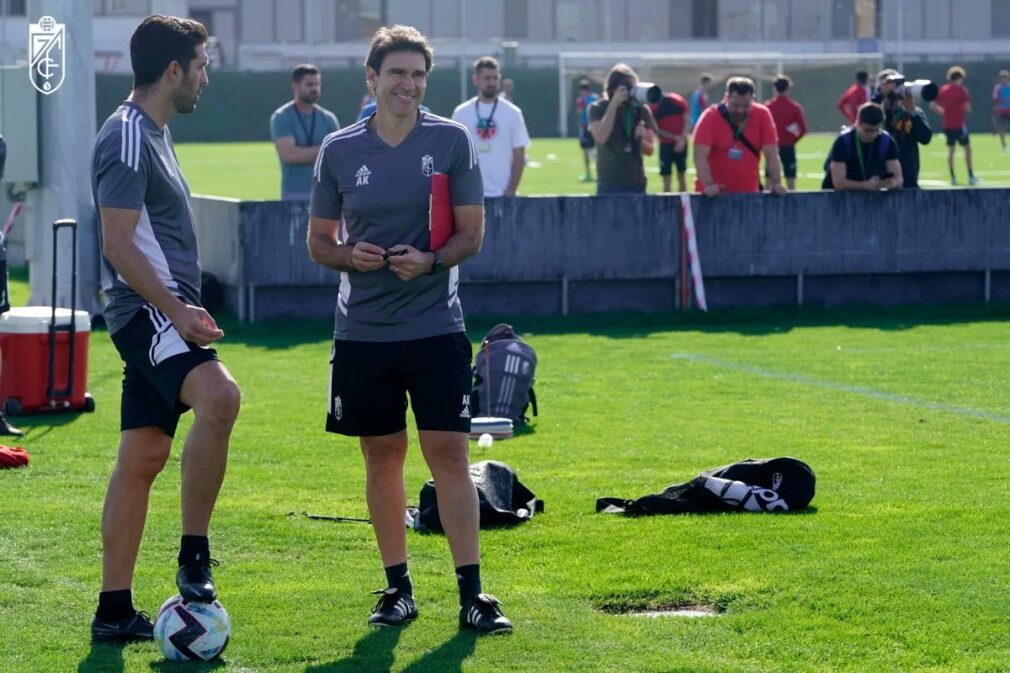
{"type": "Point", "coordinates": [854, 96]}
{"type": "Point", "coordinates": [954, 103]}
{"type": "Point", "coordinates": [728, 140]}
{"type": "Point", "coordinates": [790, 124]}
{"type": "Point", "coordinates": [671, 115]}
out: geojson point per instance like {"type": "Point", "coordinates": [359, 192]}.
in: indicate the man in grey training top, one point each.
{"type": "Point", "coordinates": [399, 325]}
{"type": "Point", "coordinates": [297, 129]}
{"type": "Point", "coordinates": [151, 279]}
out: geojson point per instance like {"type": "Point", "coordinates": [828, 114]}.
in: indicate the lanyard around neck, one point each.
{"type": "Point", "coordinates": [859, 155]}
{"type": "Point", "coordinates": [490, 117]}
{"type": "Point", "coordinates": [311, 130]}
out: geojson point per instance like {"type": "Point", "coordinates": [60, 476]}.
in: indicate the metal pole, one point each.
{"type": "Point", "coordinates": [462, 51]}
{"type": "Point", "coordinates": [901, 35]}
{"type": "Point", "coordinates": [562, 98]}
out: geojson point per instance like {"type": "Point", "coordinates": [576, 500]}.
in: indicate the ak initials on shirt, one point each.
{"type": "Point", "coordinates": [362, 176]}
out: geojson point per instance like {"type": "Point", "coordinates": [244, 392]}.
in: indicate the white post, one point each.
{"type": "Point", "coordinates": [66, 133]}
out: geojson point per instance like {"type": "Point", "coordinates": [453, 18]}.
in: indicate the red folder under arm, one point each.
{"type": "Point", "coordinates": [440, 219]}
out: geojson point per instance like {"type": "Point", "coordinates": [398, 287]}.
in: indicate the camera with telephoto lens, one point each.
{"type": "Point", "coordinates": [645, 92]}
{"type": "Point", "coordinates": [920, 89]}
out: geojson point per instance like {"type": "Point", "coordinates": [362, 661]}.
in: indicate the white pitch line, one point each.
{"type": "Point", "coordinates": [844, 387]}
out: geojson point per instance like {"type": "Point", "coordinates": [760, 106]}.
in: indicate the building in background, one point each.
{"type": "Point", "coordinates": [274, 34]}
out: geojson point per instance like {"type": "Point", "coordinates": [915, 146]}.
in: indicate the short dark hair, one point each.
{"type": "Point", "coordinates": [705, 78]}
{"type": "Point", "coordinates": [870, 113]}
{"type": "Point", "coordinates": [387, 40]}
{"type": "Point", "coordinates": [300, 71]}
{"type": "Point", "coordinates": [862, 77]}
{"type": "Point", "coordinates": [158, 41]}
{"type": "Point", "coordinates": [584, 84]}
{"type": "Point", "coordinates": [955, 73]}
{"type": "Point", "coordinates": [740, 85]}
{"type": "Point", "coordinates": [620, 75]}
{"type": "Point", "coordinates": [484, 63]}
{"type": "Point", "coordinates": [782, 83]}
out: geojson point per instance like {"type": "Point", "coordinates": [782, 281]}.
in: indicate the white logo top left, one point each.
{"type": "Point", "coordinates": [46, 50]}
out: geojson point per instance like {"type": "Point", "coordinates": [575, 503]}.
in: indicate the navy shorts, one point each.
{"type": "Point", "coordinates": [787, 155]}
{"type": "Point", "coordinates": [668, 158]}
{"type": "Point", "coordinates": [370, 382]}
{"type": "Point", "coordinates": [959, 136]}
{"type": "Point", "coordinates": [586, 140]}
{"type": "Point", "coordinates": [156, 361]}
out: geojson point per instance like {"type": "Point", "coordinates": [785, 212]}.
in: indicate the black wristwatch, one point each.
{"type": "Point", "coordinates": [436, 265]}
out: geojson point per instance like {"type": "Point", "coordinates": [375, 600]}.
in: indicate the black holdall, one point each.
{"type": "Point", "coordinates": [504, 500]}
{"type": "Point", "coordinates": [769, 485]}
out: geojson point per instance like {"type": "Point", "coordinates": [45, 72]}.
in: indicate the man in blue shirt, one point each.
{"type": "Point", "coordinates": [297, 129]}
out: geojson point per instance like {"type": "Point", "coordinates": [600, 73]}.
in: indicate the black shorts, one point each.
{"type": "Point", "coordinates": [668, 158]}
{"type": "Point", "coordinates": [787, 155]}
{"type": "Point", "coordinates": [959, 136]}
{"type": "Point", "coordinates": [370, 382]}
{"type": "Point", "coordinates": [586, 140]}
{"type": "Point", "coordinates": [156, 362]}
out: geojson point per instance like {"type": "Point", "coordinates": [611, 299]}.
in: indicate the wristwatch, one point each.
{"type": "Point", "coordinates": [436, 264]}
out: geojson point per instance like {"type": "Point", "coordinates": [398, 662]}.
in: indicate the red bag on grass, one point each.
{"type": "Point", "coordinates": [12, 456]}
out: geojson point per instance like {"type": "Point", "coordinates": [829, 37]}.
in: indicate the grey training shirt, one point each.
{"type": "Point", "coordinates": [382, 193]}
{"type": "Point", "coordinates": [134, 166]}
{"type": "Point", "coordinates": [306, 130]}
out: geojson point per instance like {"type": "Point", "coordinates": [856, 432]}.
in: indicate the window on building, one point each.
{"type": "Point", "coordinates": [516, 18]}
{"type": "Point", "coordinates": [371, 17]}
{"type": "Point", "coordinates": [705, 18]}
{"type": "Point", "coordinates": [1001, 18]}
{"type": "Point", "coordinates": [867, 19]}
{"type": "Point", "coordinates": [12, 7]}
{"type": "Point", "coordinates": [129, 7]}
{"type": "Point", "coordinates": [204, 16]}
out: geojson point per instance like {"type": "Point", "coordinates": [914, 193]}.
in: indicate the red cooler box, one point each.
{"type": "Point", "coordinates": [24, 340]}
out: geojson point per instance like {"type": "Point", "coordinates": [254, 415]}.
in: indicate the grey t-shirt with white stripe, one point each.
{"type": "Point", "coordinates": [382, 193]}
{"type": "Point", "coordinates": [134, 166]}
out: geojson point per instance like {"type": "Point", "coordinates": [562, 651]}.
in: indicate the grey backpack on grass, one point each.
{"type": "Point", "coordinates": [503, 375]}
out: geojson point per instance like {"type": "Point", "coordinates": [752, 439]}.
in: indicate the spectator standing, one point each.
{"type": "Point", "coordinates": [699, 98]}
{"type": "Point", "coordinates": [855, 96]}
{"type": "Point", "coordinates": [498, 129]}
{"type": "Point", "coordinates": [953, 103]}
{"type": "Point", "coordinates": [728, 142]}
{"type": "Point", "coordinates": [671, 115]}
{"type": "Point", "coordinates": [864, 156]}
{"type": "Point", "coordinates": [583, 102]}
{"type": "Point", "coordinates": [790, 125]}
{"type": "Point", "coordinates": [1001, 106]}
{"type": "Point", "coordinates": [297, 129]}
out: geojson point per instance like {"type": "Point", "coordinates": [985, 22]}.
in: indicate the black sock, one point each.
{"type": "Point", "coordinates": [194, 548]}
{"type": "Point", "coordinates": [971, 173]}
{"type": "Point", "coordinates": [468, 579]}
{"type": "Point", "coordinates": [398, 577]}
{"type": "Point", "coordinates": [115, 605]}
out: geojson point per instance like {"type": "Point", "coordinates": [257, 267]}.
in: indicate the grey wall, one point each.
{"type": "Point", "coordinates": [577, 254]}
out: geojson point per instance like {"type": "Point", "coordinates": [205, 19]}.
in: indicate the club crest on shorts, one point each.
{"type": "Point", "coordinates": [427, 165]}
{"type": "Point", "coordinates": [46, 47]}
{"type": "Point", "coordinates": [338, 408]}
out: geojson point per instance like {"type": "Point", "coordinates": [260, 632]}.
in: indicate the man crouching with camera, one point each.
{"type": "Point", "coordinates": [904, 120]}
{"type": "Point", "coordinates": [864, 156]}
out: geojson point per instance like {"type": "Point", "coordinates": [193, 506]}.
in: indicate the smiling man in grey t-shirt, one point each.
{"type": "Point", "coordinates": [399, 324]}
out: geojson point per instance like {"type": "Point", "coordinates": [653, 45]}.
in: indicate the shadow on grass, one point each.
{"type": "Point", "coordinates": [373, 653]}
{"type": "Point", "coordinates": [746, 322]}
{"type": "Point", "coordinates": [103, 658]}
{"type": "Point", "coordinates": [165, 666]}
{"type": "Point", "coordinates": [37, 426]}
{"type": "Point", "coordinates": [448, 657]}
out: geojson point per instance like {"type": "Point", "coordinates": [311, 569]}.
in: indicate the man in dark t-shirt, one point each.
{"type": "Point", "coordinates": [399, 324]}
{"type": "Point", "coordinates": [151, 278]}
{"type": "Point", "coordinates": [864, 157]}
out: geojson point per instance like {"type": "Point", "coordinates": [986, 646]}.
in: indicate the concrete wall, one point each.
{"type": "Point", "coordinates": [567, 255]}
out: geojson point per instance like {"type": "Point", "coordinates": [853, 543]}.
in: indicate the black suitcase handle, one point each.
{"type": "Point", "coordinates": [71, 328]}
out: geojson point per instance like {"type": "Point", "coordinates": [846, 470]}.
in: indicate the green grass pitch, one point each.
{"type": "Point", "coordinates": [899, 565]}
{"type": "Point", "coordinates": [251, 171]}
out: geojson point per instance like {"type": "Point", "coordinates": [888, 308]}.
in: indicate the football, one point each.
{"type": "Point", "coordinates": [187, 630]}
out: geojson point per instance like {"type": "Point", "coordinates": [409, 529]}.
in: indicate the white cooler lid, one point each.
{"type": "Point", "coordinates": [35, 320]}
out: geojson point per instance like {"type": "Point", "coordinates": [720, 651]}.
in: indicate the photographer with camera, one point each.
{"type": "Point", "coordinates": [864, 156]}
{"type": "Point", "coordinates": [904, 120]}
{"type": "Point", "coordinates": [618, 124]}
{"type": "Point", "coordinates": [729, 141]}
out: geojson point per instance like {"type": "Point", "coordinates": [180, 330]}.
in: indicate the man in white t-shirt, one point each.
{"type": "Point", "coordinates": [498, 130]}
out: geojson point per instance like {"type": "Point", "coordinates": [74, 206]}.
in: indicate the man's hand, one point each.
{"type": "Point", "coordinates": [639, 130]}
{"type": "Point", "coordinates": [873, 184]}
{"type": "Point", "coordinates": [407, 262]}
{"type": "Point", "coordinates": [367, 257]}
{"type": "Point", "coordinates": [908, 102]}
{"type": "Point", "coordinates": [195, 324]}
{"type": "Point", "coordinates": [712, 189]}
{"type": "Point", "coordinates": [680, 143]}
{"type": "Point", "coordinates": [620, 95]}
{"type": "Point", "coordinates": [778, 189]}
